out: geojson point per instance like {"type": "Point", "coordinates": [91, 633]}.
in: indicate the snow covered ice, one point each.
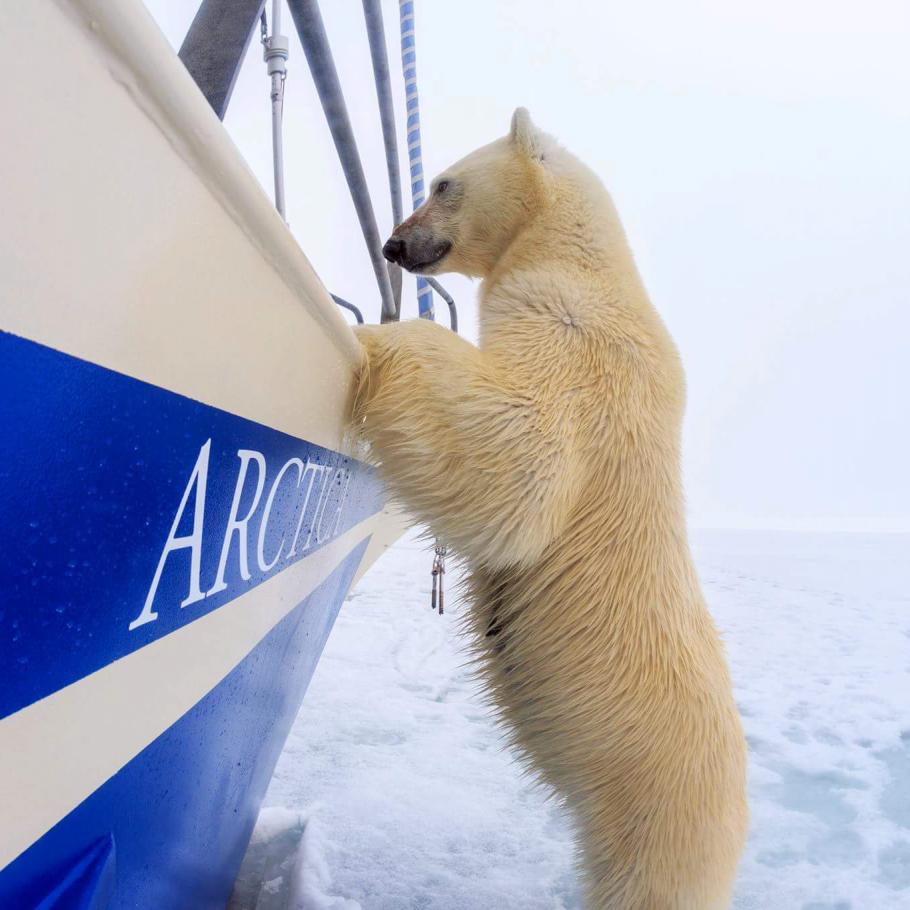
{"type": "Point", "coordinates": [401, 794]}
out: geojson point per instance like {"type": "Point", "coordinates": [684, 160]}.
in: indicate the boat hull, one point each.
{"type": "Point", "coordinates": [182, 514]}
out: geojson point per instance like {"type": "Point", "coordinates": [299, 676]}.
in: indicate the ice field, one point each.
{"type": "Point", "coordinates": [395, 774]}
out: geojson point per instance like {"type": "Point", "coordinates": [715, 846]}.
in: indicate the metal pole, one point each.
{"type": "Point", "coordinates": [215, 45]}
{"type": "Point", "coordinates": [348, 306]}
{"type": "Point", "coordinates": [447, 297]}
{"type": "Point", "coordinates": [308, 22]}
{"type": "Point", "coordinates": [372, 11]}
{"type": "Point", "coordinates": [275, 54]}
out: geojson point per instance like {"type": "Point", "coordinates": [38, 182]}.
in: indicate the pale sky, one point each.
{"type": "Point", "coordinates": [759, 154]}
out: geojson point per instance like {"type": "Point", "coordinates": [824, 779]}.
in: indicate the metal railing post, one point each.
{"type": "Point", "coordinates": [372, 11]}
{"type": "Point", "coordinates": [215, 45]}
{"type": "Point", "coordinates": [308, 22]}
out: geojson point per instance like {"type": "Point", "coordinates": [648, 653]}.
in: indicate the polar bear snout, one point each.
{"type": "Point", "coordinates": [415, 249]}
{"type": "Point", "coordinates": [393, 249]}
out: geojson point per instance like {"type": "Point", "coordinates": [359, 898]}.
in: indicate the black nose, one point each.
{"type": "Point", "coordinates": [393, 249]}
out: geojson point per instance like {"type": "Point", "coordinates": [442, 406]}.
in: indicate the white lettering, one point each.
{"type": "Point", "coordinates": [240, 525]}
{"type": "Point", "coordinates": [320, 508]}
{"type": "Point", "coordinates": [317, 469]}
{"type": "Point", "coordinates": [344, 475]}
{"type": "Point", "coordinates": [260, 548]}
{"type": "Point", "coordinates": [342, 502]}
{"type": "Point", "coordinates": [193, 541]}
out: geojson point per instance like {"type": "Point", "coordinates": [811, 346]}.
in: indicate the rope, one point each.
{"type": "Point", "coordinates": [409, 67]}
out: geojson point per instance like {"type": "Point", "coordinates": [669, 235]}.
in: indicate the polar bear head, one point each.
{"type": "Point", "coordinates": [476, 207]}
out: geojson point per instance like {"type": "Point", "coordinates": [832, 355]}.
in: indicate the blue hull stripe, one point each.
{"type": "Point", "coordinates": [99, 473]}
{"type": "Point", "coordinates": [169, 829]}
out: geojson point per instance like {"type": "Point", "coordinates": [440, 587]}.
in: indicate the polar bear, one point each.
{"type": "Point", "coordinates": [549, 459]}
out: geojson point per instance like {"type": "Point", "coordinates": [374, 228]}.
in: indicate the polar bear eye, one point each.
{"type": "Point", "coordinates": [442, 186]}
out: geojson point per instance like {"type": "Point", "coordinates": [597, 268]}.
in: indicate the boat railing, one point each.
{"type": "Point", "coordinates": [213, 51]}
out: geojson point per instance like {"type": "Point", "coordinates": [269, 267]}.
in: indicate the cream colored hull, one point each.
{"type": "Point", "coordinates": [181, 515]}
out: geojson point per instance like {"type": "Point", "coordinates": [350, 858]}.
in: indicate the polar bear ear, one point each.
{"type": "Point", "coordinates": [525, 135]}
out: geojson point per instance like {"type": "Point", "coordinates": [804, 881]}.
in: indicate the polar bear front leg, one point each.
{"type": "Point", "coordinates": [477, 458]}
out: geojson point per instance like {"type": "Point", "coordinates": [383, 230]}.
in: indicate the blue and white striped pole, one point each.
{"type": "Point", "coordinates": [409, 66]}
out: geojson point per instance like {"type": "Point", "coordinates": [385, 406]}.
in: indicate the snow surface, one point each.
{"type": "Point", "coordinates": [401, 795]}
